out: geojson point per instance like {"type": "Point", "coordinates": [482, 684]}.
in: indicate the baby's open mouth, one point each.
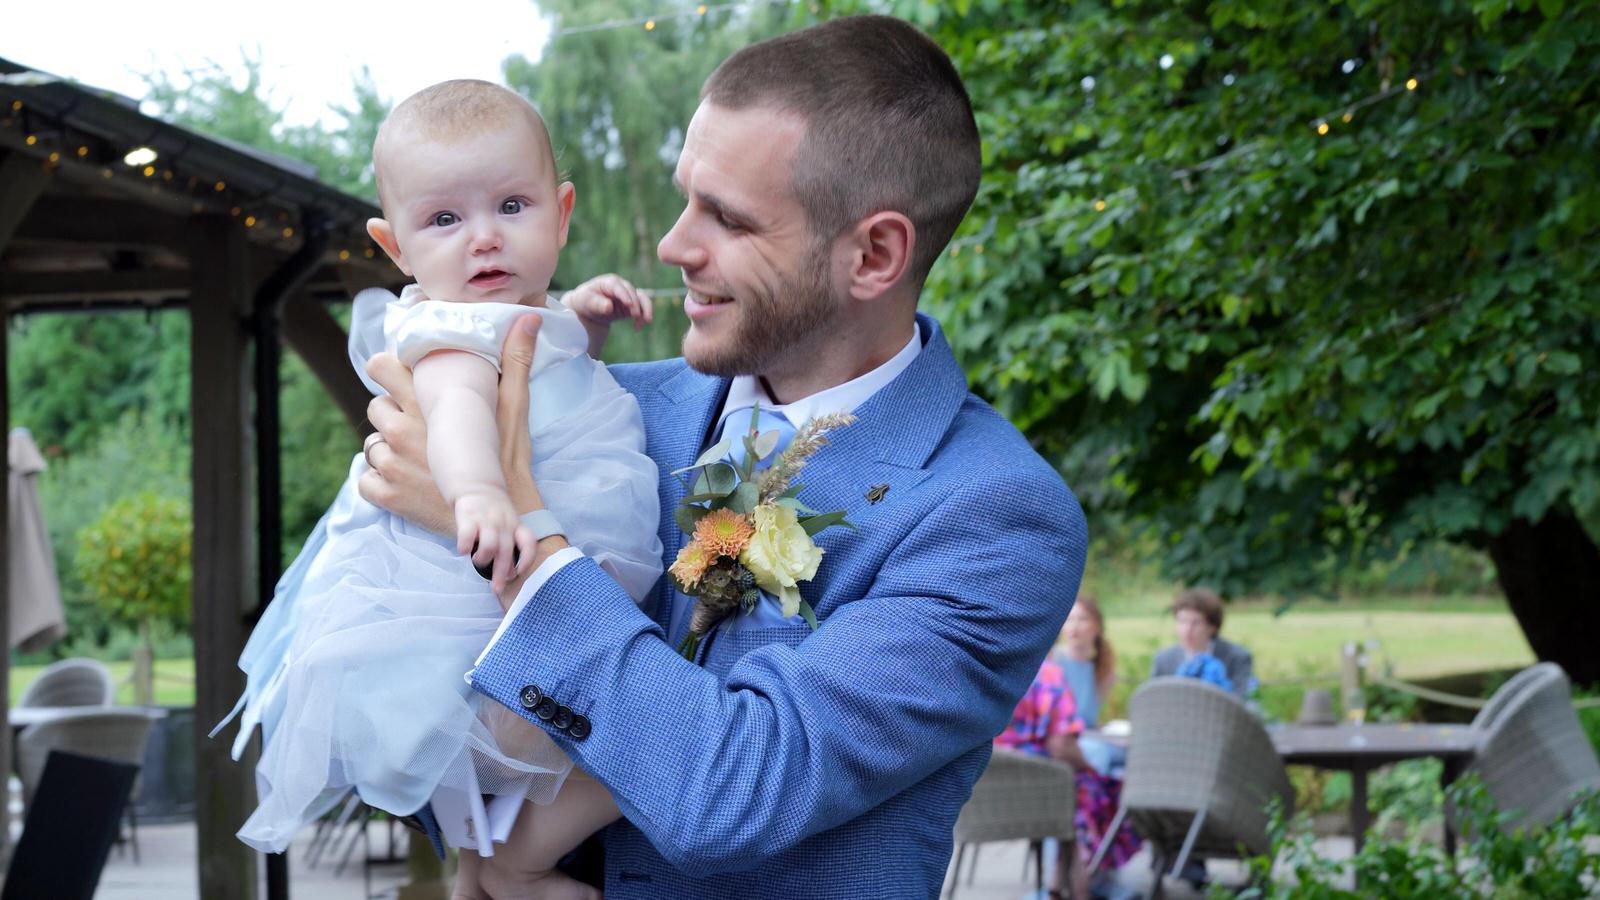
{"type": "Point", "coordinates": [490, 277]}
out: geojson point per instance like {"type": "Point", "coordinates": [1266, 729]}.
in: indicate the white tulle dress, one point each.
{"type": "Point", "coordinates": [355, 672]}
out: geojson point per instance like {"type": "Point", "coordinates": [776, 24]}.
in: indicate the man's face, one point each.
{"type": "Point", "coordinates": [1194, 632]}
{"type": "Point", "coordinates": [480, 218]}
{"type": "Point", "coordinates": [760, 292]}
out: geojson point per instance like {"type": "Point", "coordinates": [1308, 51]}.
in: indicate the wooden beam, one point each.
{"type": "Point", "coordinates": [69, 287]}
{"type": "Point", "coordinates": [22, 180]}
{"type": "Point", "coordinates": [5, 604]}
{"type": "Point", "coordinates": [101, 223]}
{"type": "Point", "coordinates": [224, 557]}
{"type": "Point", "coordinates": [317, 337]}
{"type": "Point", "coordinates": [141, 286]}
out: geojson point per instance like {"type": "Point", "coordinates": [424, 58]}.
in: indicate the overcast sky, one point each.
{"type": "Point", "coordinates": [310, 50]}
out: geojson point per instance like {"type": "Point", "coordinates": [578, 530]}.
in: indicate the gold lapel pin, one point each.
{"type": "Point", "coordinates": [876, 493]}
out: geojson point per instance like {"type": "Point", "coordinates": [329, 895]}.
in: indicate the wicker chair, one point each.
{"type": "Point", "coordinates": [117, 734]}
{"type": "Point", "coordinates": [71, 682]}
{"type": "Point", "coordinates": [1532, 754]}
{"type": "Point", "coordinates": [1201, 775]}
{"type": "Point", "coordinates": [1018, 797]}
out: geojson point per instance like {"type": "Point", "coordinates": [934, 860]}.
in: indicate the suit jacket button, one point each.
{"type": "Point", "coordinates": [579, 729]}
{"type": "Point", "coordinates": [563, 718]}
{"type": "Point", "coordinates": [530, 696]}
{"type": "Point", "coordinates": [546, 709]}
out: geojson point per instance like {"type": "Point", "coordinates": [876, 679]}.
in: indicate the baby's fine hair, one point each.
{"type": "Point", "coordinates": [451, 110]}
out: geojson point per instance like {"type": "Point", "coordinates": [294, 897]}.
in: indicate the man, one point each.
{"type": "Point", "coordinates": [823, 172]}
{"type": "Point", "coordinates": [1197, 619]}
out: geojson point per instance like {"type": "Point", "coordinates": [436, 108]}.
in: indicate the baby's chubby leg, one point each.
{"type": "Point", "coordinates": [523, 868]}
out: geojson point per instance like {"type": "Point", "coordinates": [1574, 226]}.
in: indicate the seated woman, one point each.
{"type": "Point", "coordinates": [1088, 662]}
{"type": "Point", "coordinates": [1200, 653]}
{"type": "Point", "coordinates": [1046, 723]}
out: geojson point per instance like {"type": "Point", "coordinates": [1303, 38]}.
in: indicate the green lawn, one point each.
{"type": "Point", "coordinates": [1306, 642]}
{"type": "Point", "coordinates": [174, 681]}
{"type": "Point", "coordinates": [1428, 638]}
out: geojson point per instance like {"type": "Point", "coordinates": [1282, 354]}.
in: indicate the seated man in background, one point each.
{"type": "Point", "coordinates": [1200, 653]}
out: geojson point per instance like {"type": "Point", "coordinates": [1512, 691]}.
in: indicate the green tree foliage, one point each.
{"type": "Point", "coordinates": [1291, 353]}
{"type": "Point", "coordinates": [316, 442]}
{"type": "Point", "coordinates": [616, 102]}
{"type": "Point", "coordinates": [134, 562]}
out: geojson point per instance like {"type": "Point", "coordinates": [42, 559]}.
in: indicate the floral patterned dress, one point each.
{"type": "Point", "coordinates": [1045, 711]}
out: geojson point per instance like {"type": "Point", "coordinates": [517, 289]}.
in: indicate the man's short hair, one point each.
{"type": "Point", "coordinates": [888, 124]}
{"type": "Point", "coordinates": [451, 110]}
{"type": "Point", "coordinates": [1202, 600]}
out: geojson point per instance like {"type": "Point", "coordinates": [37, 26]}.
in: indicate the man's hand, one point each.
{"type": "Point", "coordinates": [603, 300]}
{"type": "Point", "coordinates": [397, 476]}
{"type": "Point", "coordinates": [398, 479]}
{"type": "Point", "coordinates": [516, 450]}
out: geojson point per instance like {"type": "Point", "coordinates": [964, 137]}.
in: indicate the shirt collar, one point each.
{"type": "Point", "coordinates": [746, 391]}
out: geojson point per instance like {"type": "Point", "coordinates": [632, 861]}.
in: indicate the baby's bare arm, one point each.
{"type": "Point", "coordinates": [457, 393]}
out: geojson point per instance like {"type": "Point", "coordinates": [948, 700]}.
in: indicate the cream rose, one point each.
{"type": "Point", "coordinates": [781, 555]}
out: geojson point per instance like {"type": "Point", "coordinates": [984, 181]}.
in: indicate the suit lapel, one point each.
{"type": "Point", "coordinates": [689, 407]}
{"type": "Point", "coordinates": [895, 432]}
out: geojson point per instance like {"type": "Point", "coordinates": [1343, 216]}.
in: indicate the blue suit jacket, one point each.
{"type": "Point", "coordinates": [827, 764]}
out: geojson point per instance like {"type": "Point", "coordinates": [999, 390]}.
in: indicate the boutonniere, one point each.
{"type": "Point", "coordinates": [750, 532]}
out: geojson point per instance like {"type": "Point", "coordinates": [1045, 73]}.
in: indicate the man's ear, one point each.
{"type": "Point", "coordinates": [880, 253]}
{"type": "Point", "coordinates": [383, 233]}
{"type": "Point", "coordinates": [565, 194]}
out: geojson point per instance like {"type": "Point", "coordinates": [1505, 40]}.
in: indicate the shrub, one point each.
{"type": "Point", "coordinates": [1551, 863]}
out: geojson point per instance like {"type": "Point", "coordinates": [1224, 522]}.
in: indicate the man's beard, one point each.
{"type": "Point", "coordinates": [771, 326]}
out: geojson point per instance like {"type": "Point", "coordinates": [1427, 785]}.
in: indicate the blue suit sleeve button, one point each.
{"type": "Point", "coordinates": [563, 718]}
{"type": "Point", "coordinates": [579, 729]}
{"type": "Point", "coordinates": [530, 696]}
{"type": "Point", "coordinates": [546, 710]}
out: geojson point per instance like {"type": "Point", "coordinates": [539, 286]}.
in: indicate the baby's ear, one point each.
{"type": "Point", "coordinates": [565, 193]}
{"type": "Point", "coordinates": [383, 233]}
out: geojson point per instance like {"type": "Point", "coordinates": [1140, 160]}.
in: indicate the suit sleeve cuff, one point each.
{"type": "Point", "coordinates": [547, 569]}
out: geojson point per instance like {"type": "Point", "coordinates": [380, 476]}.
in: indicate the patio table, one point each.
{"type": "Point", "coordinates": [23, 716]}
{"type": "Point", "coordinates": [1358, 749]}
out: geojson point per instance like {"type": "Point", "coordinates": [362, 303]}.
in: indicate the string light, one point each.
{"type": "Point", "coordinates": [32, 139]}
{"type": "Point", "coordinates": [249, 221]}
{"type": "Point", "coordinates": [344, 255]}
{"type": "Point", "coordinates": [651, 21]}
{"type": "Point", "coordinates": [1320, 124]}
{"type": "Point", "coordinates": [140, 156]}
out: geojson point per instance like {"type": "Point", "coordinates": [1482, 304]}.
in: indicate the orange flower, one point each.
{"type": "Point", "coordinates": [691, 564]}
{"type": "Point", "coordinates": [723, 533]}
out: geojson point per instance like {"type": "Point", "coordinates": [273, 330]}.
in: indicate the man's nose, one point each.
{"type": "Point", "coordinates": [678, 247]}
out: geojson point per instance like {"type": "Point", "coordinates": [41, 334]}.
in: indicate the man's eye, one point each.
{"type": "Point", "coordinates": [511, 207]}
{"type": "Point", "coordinates": [728, 223]}
{"type": "Point", "coordinates": [444, 220]}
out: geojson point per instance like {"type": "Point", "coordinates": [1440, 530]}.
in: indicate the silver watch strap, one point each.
{"type": "Point", "coordinates": [544, 524]}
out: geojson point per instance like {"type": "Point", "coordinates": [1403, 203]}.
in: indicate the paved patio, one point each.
{"type": "Point", "coordinates": [166, 870]}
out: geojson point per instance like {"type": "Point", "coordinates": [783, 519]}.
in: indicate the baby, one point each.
{"type": "Point", "coordinates": [355, 671]}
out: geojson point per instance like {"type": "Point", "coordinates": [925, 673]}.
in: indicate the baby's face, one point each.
{"type": "Point", "coordinates": [478, 219]}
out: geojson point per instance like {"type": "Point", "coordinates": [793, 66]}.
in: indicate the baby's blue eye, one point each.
{"type": "Point", "coordinates": [511, 207]}
{"type": "Point", "coordinates": [444, 220]}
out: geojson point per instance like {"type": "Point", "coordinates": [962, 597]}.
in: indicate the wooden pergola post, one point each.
{"type": "Point", "coordinates": [22, 180]}
{"type": "Point", "coordinates": [224, 557]}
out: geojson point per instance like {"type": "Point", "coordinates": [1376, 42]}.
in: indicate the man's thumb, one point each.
{"type": "Point", "coordinates": [518, 350]}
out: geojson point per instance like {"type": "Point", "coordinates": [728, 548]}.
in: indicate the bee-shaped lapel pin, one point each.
{"type": "Point", "coordinates": [876, 493]}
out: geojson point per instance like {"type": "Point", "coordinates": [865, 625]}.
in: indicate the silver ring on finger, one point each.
{"type": "Point", "coordinates": [373, 440]}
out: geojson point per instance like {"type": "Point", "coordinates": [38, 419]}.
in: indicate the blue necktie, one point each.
{"type": "Point", "coordinates": [735, 425]}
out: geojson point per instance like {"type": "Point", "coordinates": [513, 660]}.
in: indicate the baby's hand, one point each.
{"type": "Point", "coordinates": [609, 298]}
{"type": "Point", "coordinates": [487, 527]}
